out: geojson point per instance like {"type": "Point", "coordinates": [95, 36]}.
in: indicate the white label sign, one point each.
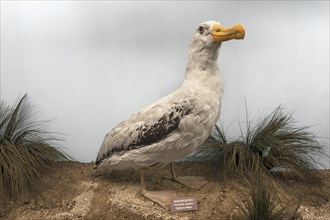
{"type": "Point", "coordinates": [183, 204]}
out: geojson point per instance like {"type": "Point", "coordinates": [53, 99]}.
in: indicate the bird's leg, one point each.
{"type": "Point", "coordinates": [193, 182]}
{"type": "Point", "coordinates": [143, 186]}
{"type": "Point", "coordinates": [162, 198]}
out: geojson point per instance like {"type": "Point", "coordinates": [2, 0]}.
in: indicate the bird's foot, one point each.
{"type": "Point", "coordinates": [193, 182]}
{"type": "Point", "coordinates": [162, 198]}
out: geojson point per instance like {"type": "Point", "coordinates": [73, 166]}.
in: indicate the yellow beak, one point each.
{"type": "Point", "coordinates": [220, 33]}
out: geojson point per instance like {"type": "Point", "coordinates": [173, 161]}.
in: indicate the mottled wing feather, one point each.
{"type": "Point", "coordinates": [143, 129]}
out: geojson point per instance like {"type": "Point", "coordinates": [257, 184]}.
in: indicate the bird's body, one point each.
{"type": "Point", "coordinates": [174, 126]}
{"type": "Point", "coordinates": [167, 130]}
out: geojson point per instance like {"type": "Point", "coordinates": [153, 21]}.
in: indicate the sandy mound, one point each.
{"type": "Point", "coordinates": [74, 190]}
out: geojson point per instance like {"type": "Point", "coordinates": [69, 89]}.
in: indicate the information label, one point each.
{"type": "Point", "coordinates": [183, 204]}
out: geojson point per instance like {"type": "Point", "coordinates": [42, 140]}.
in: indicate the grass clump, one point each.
{"type": "Point", "coordinates": [25, 149]}
{"type": "Point", "coordinates": [274, 144]}
{"type": "Point", "coordinates": [262, 202]}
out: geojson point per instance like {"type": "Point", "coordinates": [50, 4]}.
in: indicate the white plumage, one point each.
{"type": "Point", "coordinates": [200, 104]}
{"type": "Point", "coordinates": [175, 125]}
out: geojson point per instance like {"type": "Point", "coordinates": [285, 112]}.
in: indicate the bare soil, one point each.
{"type": "Point", "coordinates": [73, 190]}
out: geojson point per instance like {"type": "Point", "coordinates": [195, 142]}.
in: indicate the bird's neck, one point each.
{"type": "Point", "coordinates": [202, 63]}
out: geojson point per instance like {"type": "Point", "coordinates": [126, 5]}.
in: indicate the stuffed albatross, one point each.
{"type": "Point", "coordinates": [174, 126]}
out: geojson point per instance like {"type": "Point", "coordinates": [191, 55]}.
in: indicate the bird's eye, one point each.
{"type": "Point", "coordinates": [201, 30]}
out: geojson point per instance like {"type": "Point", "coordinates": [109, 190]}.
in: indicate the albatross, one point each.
{"type": "Point", "coordinates": [175, 125]}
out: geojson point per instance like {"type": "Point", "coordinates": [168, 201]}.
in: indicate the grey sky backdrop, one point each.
{"type": "Point", "coordinates": [91, 64]}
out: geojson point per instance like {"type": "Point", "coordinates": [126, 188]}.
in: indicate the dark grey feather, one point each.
{"type": "Point", "coordinates": [150, 134]}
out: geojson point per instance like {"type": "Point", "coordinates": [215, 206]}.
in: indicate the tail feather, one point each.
{"type": "Point", "coordinates": [101, 155]}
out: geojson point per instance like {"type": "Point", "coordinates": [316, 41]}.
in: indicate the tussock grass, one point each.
{"type": "Point", "coordinates": [275, 143]}
{"type": "Point", "coordinates": [263, 203]}
{"type": "Point", "coordinates": [25, 149]}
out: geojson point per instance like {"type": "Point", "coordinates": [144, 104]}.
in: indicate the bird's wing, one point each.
{"type": "Point", "coordinates": [146, 127]}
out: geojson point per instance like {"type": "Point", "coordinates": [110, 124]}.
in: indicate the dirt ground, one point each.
{"type": "Point", "coordinates": [73, 190]}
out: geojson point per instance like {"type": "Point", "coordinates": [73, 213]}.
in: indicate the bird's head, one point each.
{"type": "Point", "coordinates": [206, 41]}
{"type": "Point", "coordinates": [212, 33]}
